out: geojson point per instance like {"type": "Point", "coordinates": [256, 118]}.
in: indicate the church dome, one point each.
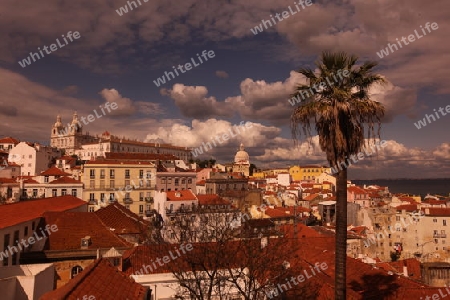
{"type": "Point", "coordinates": [241, 156]}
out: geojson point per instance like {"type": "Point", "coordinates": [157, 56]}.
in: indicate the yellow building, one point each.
{"type": "Point", "coordinates": [309, 172]}
{"type": "Point", "coordinates": [131, 183]}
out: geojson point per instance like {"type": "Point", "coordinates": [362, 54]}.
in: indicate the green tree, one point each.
{"type": "Point", "coordinates": [340, 109]}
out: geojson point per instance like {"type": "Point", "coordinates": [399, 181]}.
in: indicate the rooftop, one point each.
{"type": "Point", "coordinates": [23, 211]}
{"type": "Point", "coordinates": [101, 280]}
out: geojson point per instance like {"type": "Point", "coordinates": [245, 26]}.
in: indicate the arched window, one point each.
{"type": "Point", "coordinates": [75, 270]}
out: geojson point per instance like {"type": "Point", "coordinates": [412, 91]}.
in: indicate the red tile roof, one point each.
{"type": "Point", "coordinates": [73, 226]}
{"type": "Point", "coordinates": [101, 280]}
{"type": "Point", "coordinates": [122, 220]}
{"type": "Point", "coordinates": [184, 195]}
{"type": "Point", "coordinates": [9, 140]}
{"type": "Point", "coordinates": [407, 207]}
{"type": "Point", "coordinates": [7, 180]}
{"type": "Point", "coordinates": [436, 211]}
{"type": "Point", "coordinates": [23, 211]}
{"type": "Point", "coordinates": [54, 171]}
{"type": "Point", "coordinates": [211, 199]}
{"type": "Point", "coordinates": [65, 179]}
{"type": "Point", "coordinates": [356, 190]}
{"type": "Point", "coordinates": [432, 201]}
{"type": "Point", "coordinates": [311, 197]}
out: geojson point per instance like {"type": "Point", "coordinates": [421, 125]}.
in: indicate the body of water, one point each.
{"type": "Point", "coordinates": [421, 187]}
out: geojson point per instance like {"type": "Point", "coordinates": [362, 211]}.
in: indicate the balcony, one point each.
{"type": "Point", "coordinates": [127, 200]}
{"type": "Point", "coordinates": [93, 202]}
{"type": "Point", "coordinates": [112, 200]}
{"type": "Point", "coordinates": [149, 199]}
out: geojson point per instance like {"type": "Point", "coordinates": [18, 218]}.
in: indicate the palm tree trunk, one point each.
{"type": "Point", "coordinates": [341, 235]}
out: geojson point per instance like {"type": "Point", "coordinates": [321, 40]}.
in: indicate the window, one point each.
{"type": "Point", "coordinates": [91, 184]}
{"type": "Point", "coordinates": [163, 180]}
{"type": "Point", "coordinates": [141, 196]}
{"type": "Point", "coordinates": [102, 173]}
{"type": "Point", "coordinates": [434, 220]}
{"type": "Point", "coordinates": [91, 196]}
{"type": "Point", "coordinates": [141, 174]}
{"type": "Point", "coordinates": [46, 179]}
{"type": "Point", "coordinates": [92, 173]}
{"type": "Point", "coordinates": [91, 209]}
{"type": "Point", "coordinates": [64, 192]}
{"type": "Point", "coordinates": [111, 196]}
{"type": "Point", "coordinates": [127, 184]}
{"type": "Point", "coordinates": [189, 181]}
{"type": "Point", "coordinates": [54, 192]}
{"type": "Point", "coordinates": [183, 181]}
{"type": "Point", "coordinates": [25, 232]}
{"type": "Point", "coordinates": [177, 182]}
{"type": "Point", "coordinates": [75, 271]}
{"type": "Point", "coordinates": [102, 197]}
{"type": "Point", "coordinates": [444, 222]}
{"type": "Point", "coordinates": [111, 173]}
{"type": "Point", "coordinates": [74, 192]}
{"type": "Point", "coordinates": [141, 209]}
{"type": "Point", "coordinates": [35, 191]}
{"type": "Point", "coordinates": [127, 174]}
{"type": "Point", "coordinates": [111, 184]}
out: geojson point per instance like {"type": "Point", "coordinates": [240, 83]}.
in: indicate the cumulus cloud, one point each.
{"type": "Point", "coordinates": [127, 107]}
{"type": "Point", "coordinates": [194, 103]}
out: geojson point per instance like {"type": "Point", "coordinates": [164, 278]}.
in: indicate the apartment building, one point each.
{"type": "Point", "coordinates": [221, 183]}
{"type": "Point", "coordinates": [194, 218]}
{"type": "Point", "coordinates": [33, 158]}
{"type": "Point", "coordinates": [308, 172]}
{"type": "Point", "coordinates": [7, 143]}
{"type": "Point", "coordinates": [171, 178]}
{"type": "Point", "coordinates": [410, 231]}
{"type": "Point", "coordinates": [51, 183]}
{"type": "Point", "coordinates": [131, 183]}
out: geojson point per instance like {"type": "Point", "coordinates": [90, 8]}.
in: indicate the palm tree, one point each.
{"type": "Point", "coordinates": [340, 108]}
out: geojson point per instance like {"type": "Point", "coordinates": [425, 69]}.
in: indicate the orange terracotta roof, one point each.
{"type": "Point", "coordinates": [7, 180]}
{"type": "Point", "coordinates": [311, 197]}
{"type": "Point", "coordinates": [407, 199]}
{"type": "Point", "coordinates": [30, 180]}
{"type": "Point", "coordinates": [407, 207]}
{"type": "Point", "coordinates": [184, 195]}
{"type": "Point", "coordinates": [73, 226]}
{"type": "Point", "coordinates": [23, 211]}
{"type": "Point", "coordinates": [9, 140]}
{"type": "Point", "coordinates": [211, 199]}
{"type": "Point", "coordinates": [121, 219]}
{"type": "Point", "coordinates": [432, 201]}
{"type": "Point", "coordinates": [54, 171]}
{"type": "Point", "coordinates": [356, 190]}
{"type": "Point", "coordinates": [101, 280]}
{"type": "Point", "coordinates": [201, 182]}
{"type": "Point", "coordinates": [64, 179]}
{"type": "Point", "coordinates": [436, 211]}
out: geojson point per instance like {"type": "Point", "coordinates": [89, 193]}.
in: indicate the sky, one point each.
{"type": "Point", "coordinates": [117, 56]}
